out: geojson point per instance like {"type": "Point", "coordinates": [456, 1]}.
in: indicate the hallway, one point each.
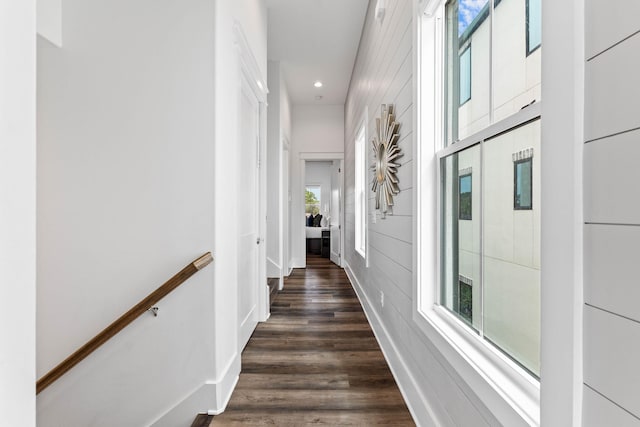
{"type": "Point", "coordinates": [315, 361]}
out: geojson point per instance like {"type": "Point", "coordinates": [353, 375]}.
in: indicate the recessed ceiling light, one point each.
{"type": "Point", "coordinates": [318, 84]}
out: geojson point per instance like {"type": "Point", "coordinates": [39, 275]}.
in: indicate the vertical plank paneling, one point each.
{"type": "Point", "coordinates": [613, 174]}
{"type": "Point", "coordinates": [610, 250]}
{"type": "Point", "coordinates": [600, 411]}
{"type": "Point", "coordinates": [611, 99]}
{"type": "Point", "coordinates": [599, 18]}
{"type": "Point", "coordinates": [612, 345]}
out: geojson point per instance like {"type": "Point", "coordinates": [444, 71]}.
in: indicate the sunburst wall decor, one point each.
{"type": "Point", "coordinates": [385, 153]}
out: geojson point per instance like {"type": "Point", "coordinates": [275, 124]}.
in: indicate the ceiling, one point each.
{"type": "Point", "coordinates": [315, 40]}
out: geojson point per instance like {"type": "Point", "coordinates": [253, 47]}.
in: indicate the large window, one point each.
{"type": "Point", "coordinates": [491, 238]}
{"type": "Point", "coordinates": [480, 61]}
{"type": "Point", "coordinates": [360, 193]}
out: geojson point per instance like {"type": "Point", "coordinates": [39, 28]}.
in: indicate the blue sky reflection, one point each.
{"type": "Point", "coordinates": [467, 11]}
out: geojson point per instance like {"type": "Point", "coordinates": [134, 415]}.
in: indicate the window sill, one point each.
{"type": "Point", "coordinates": [511, 394]}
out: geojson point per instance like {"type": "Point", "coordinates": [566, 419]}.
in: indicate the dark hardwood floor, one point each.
{"type": "Point", "coordinates": [316, 361]}
{"type": "Point", "coordinates": [202, 420]}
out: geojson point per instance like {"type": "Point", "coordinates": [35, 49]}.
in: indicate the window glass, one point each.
{"type": "Point", "coordinates": [460, 238]}
{"type": "Point", "coordinates": [490, 260]}
{"type": "Point", "coordinates": [492, 64]}
{"type": "Point", "coordinates": [467, 73]}
{"type": "Point", "coordinates": [516, 73]}
{"type": "Point", "coordinates": [534, 27]}
{"type": "Point", "coordinates": [465, 196]}
{"type": "Point", "coordinates": [469, 13]}
{"type": "Point", "coordinates": [312, 200]}
{"type": "Point", "coordinates": [511, 248]}
{"type": "Point", "coordinates": [522, 184]}
{"type": "Point", "coordinates": [465, 299]}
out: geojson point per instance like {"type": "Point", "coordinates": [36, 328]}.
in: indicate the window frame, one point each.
{"type": "Point", "coordinates": [516, 206]}
{"type": "Point", "coordinates": [470, 217]}
{"type": "Point", "coordinates": [511, 393]}
{"type": "Point", "coordinates": [360, 190]}
{"type": "Point", "coordinates": [527, 32]}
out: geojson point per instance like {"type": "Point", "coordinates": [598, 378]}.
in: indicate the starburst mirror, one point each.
{"type": "Point", "coordinates": [385, 153]}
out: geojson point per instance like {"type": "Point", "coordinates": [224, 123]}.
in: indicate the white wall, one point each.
{"type": "Point", "coordinates": [17, 215]}
{"type": "Point", "coordinates": [49, 20]}
{"type": "Point", "coordinates": [611, 213]}
{"type": "Point", "coordinates": [315, 129]}
{"type": "Point", "coordinates": [132, 186]}
{"type": "Point", "coordinates": [124, 167]}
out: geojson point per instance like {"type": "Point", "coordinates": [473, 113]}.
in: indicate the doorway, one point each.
{"type": "Point", "coordinates": [323, 211]}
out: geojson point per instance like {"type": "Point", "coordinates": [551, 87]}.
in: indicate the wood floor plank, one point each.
{"type": "Point", "coordinates": [317, 399]}
{"type": "Point", "coordinates": [301, 344]}
{"type": "Point", "coordinates": [294, 382]}
{"type": "Point", "coordinates": [317, 418]}
{"type": "Point", "coordinates": [316, 361]}
{"type": "Point", "coordinates": [297, 325]}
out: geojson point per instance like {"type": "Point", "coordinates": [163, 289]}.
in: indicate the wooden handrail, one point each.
{"type": "Point", "coordinates": [123, 321]}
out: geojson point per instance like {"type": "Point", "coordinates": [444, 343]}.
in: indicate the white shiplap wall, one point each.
{"type": "Point", "coordinates": [382, 74]}
{"type": "Point", "coordinates": [612, 214]}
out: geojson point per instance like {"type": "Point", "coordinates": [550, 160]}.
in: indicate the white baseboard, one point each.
{"type": "Point", "coordinates": [418, 405]}
{"type": "Point", "coordinates": [298, 263]}
{"type": "Point", "coordinates": [211, 397]}
{"type": "Point", "coordinates": [226, 384]}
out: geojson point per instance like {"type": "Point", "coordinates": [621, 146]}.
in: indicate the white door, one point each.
{"type": "Point", "coordinates": [336, 210]}
{"type": "Point", "coordinates": [248, 213]}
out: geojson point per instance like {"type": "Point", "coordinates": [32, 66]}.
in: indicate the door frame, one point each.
{"type": "Point", "coordinates": [328, 157]}
{"type": "Point", "coordinates": [285, 212]}
{"type": "Point", "coordinates": [249, 67]}
{"type": "Point", "coordinates": [340, 210]}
